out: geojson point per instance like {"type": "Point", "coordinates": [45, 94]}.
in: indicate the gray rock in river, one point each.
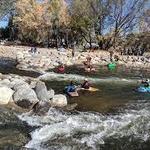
{"type": "Point", "coordinates": [6, 83]}
{"type": "Point", "coordinates": [25, 97]}
{"type": "Point", "coordinates": [41, 91]}
{"type": "Point", "coordinates": [51, 93]}
{"type": "Point", "coordinates": [59, 100]}
{"type": "Point", "coordinates": [5, 95]}
{"type": "Point", "coordinates": [41, 108]}
{"type": "Point", "coordinates": [18, 83]}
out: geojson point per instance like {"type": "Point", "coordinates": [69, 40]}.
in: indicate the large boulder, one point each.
{"type": "Point", "coordinates": [59, 100]}
{"type": "Point", "coordinates": [41, 108]}
{"type": "Point", "coordinates": [6, 83]}
{"type": "Point", "coordinates": [5, 95]}
{"type": "Point", "coordinates": [51, 93]}
{"type": "Point", "coordinates": [25, 97]}
{"type": "Point", "coordinates": [19, 56]}
{"type": "Point", "coordinates": [33, 84]}
{"type": "Point", "coordinates": [41, 91]}
{"type": "Point", "coordinates": [18, 83]}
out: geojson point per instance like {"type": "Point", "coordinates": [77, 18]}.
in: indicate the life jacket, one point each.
{"type": "Point", "coordinates": [70, 88]}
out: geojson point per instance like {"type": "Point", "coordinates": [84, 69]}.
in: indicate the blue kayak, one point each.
{"type": "Point", "coordinates": [143, 89]}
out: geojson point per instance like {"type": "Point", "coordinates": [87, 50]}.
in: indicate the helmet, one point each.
{"type": "Point", "coordinates": [85, 79]}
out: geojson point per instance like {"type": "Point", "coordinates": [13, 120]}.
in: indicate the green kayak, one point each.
{"type": "Point", "coordinates": [111, 66]}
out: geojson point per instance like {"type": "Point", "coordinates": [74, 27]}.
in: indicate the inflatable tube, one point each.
{"type": "Point", "coordinates": [143, 89]}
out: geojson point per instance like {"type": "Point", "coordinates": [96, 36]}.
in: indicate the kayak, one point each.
{"type": "Point", "coordinates": [61, 69]}
{"type": "Point", "coordinates": [91, 89]}
{"type": "Point", "coordinates": [111, 66]}
{"type": "Point", "coordinates": [143, 89]}
{"type": "Point", "coordinates": [73, 94]}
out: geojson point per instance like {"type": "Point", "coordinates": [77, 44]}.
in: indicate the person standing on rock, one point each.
{"type": "Point", "coordinates": [73, 49]}
{"type": "Point", "coordinates": [111, 53]}
{"type": "Point", "coordinates": [73, 52]}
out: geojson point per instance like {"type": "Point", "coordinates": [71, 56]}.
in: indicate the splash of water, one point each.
{"type": "Point", "coordinates": [65, 77]}
{"type": "Point", "coordinates": [87, 128]}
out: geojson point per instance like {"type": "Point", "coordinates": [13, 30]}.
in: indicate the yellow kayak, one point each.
{"type": "Point", "coordinates": [91, 89]}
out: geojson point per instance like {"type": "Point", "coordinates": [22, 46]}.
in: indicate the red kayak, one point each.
{"type": "Point", "coordinates": [61, 69]}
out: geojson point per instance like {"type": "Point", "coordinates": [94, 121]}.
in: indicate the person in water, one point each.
{"type": "Point", "coordinates": [60, 68]}
{"type": "Point", "coordinates": [85, 84]}
{"type": "Point", "coordinates": [88, 64]}
{"type": "Point", "coordinates": [146, 83]}
{"type": "Point", "coordinates": [71, 87]}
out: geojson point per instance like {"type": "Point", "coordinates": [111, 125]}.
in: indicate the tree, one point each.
{"type": "Point", "coordinates": [30, 21]}
{"type": "Point", "coordinates": [36, 20]}
{"type": "Point", "coordinates": [83, 20]}
{"type": "Point", "coordinates": [137, 43]}
{"type": "Point", "coordinates": [59, 18]}
{"type": "Point", "coordinates": [145, 21]}
{"type": "Point", "coordinates": [90, 19]}
{"type": "Point", "coordinates": [125, 16]}
{"type": "Point", "coordinates": [6, 7]}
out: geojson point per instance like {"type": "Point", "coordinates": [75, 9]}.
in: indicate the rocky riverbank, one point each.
{"type": "Point", "coordinates": [26, 93]}
{"type": "Point", "coordinates": [45, 59]}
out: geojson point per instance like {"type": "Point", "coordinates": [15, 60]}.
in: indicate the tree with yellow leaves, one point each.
{"type": "Point", "coordinates": [36, 20]}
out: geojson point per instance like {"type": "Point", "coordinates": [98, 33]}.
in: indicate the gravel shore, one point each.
{"type": "Point", "coordinates": [45, 59]}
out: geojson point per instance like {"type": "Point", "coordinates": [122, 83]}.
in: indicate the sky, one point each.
{"type": "Point", "coordinates": [3, 24]}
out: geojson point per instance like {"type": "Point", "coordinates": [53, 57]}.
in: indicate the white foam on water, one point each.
{"type": "Point", "coordinates": [91, 128]}
{"type": "Point", "coordinates": [51, 76]}
{"type": "Point", "coordinates": [34, 120]}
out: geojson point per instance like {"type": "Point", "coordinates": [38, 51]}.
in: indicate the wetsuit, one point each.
{"type": "Point", "coordinates": [70, 88]}
{"type": "Point", "coordinates": [85, 85]}
{"type": "Point", "coordinates": [145, 83]}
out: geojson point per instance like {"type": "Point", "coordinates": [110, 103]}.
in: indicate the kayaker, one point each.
{"type": "Point", "coordinates": [146, 83]}
{"type": "Point", "coordinates": [71, 87]}
{"type": "Point", "coordinates": [61, 68]}
{"type": "Point", "coordinates": [88, 64]}
{"type": "Point", "coordinates": [85, 84]}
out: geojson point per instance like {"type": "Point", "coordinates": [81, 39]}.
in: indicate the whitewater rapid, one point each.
{"type": "Point", "coordinates": [52, 76]}
{"type": "Point", "coordinates": [87, 129]}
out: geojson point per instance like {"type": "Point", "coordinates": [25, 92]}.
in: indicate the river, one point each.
{"type": "Point", "coordinates": [113, 118]}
